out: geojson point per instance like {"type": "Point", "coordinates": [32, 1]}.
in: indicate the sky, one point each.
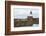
{"type": "Point", "coordinates": [22, 13]}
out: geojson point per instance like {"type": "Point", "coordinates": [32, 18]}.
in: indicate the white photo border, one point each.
{"type": "Point", "coordinates": [27, 28]}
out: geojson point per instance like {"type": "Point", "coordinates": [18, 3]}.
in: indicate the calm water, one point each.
{"type": "Point", "coordinates": [35, 25]}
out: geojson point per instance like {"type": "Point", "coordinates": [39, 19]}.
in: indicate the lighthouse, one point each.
{"type": "Point", "coordinates": [30, 13]}
{"type": "Point", "coordinates": [30, 16]}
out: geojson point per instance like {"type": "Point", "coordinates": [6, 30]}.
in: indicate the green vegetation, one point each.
{"type": "Point", "coordinates": [25, 22]}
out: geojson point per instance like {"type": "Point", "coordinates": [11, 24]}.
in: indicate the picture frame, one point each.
{"type": "Point", "coordinates": [8, 17]}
